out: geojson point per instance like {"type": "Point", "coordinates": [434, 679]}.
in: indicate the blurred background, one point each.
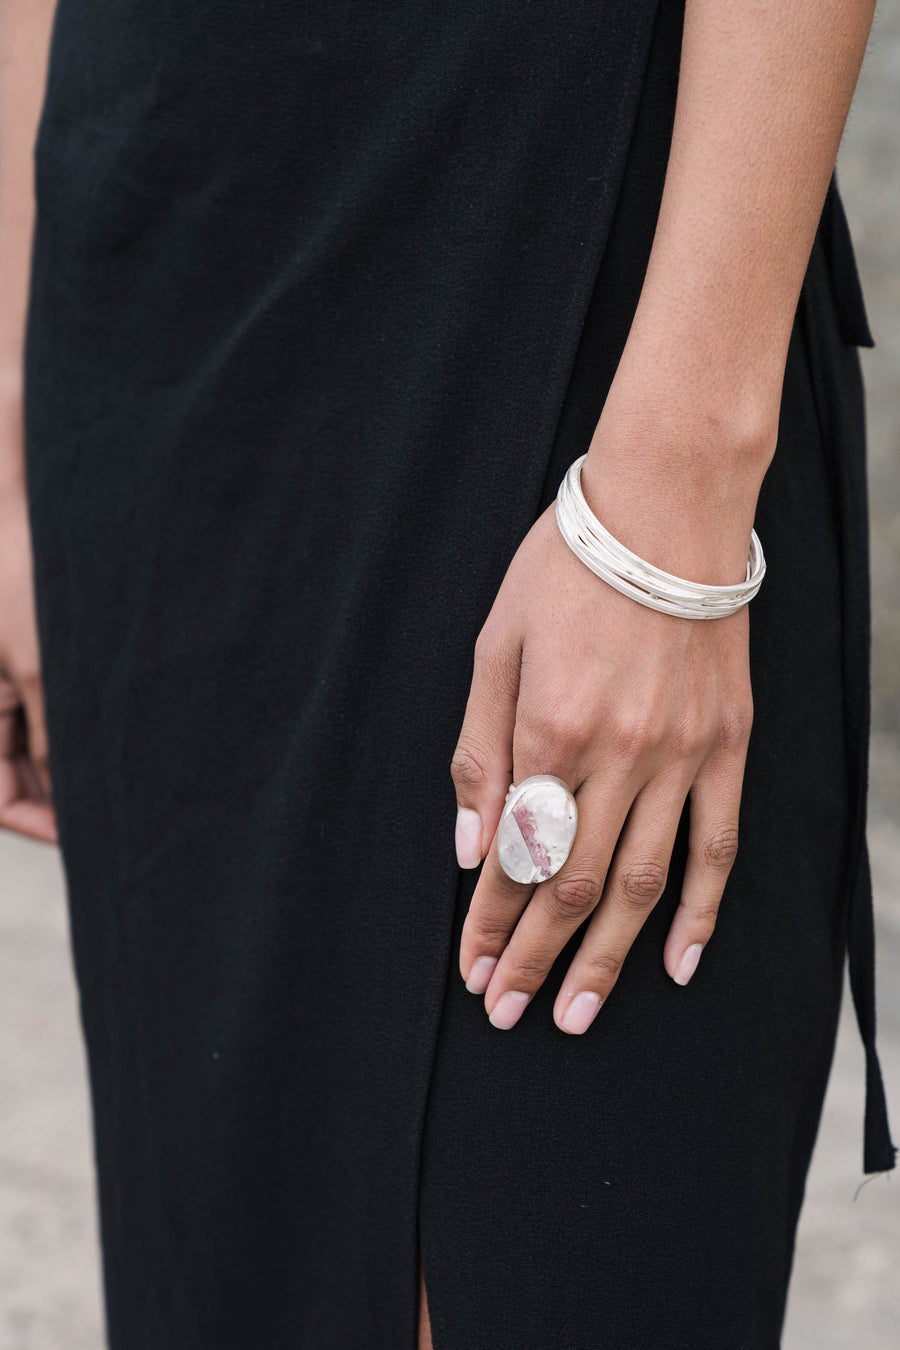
{"type": "Point", "coordinates": [845, 1290]}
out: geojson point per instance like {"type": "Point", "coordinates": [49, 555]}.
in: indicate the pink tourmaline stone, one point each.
{"type": "Point", "coordinates": [536, 829]}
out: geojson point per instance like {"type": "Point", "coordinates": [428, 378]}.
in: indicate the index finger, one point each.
{"type": "Point", "coordinates": [496, 907]}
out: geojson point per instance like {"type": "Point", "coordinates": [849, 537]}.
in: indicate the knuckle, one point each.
{"type": "Point", "coordinates": [488, 934]}
{"type": "Point", "coordinates": [691, 738]}
{"type": "Point", "coordinates": [704, 916]}
{"type": "Point", "coordinates": [640, 884]}
{"type": "Point", "coordinates": [560, 726]}
{"type": "Point", "coordinates": [603, 966]}
{"type": "Point", "coordinates": [572, 897]}
{"type": "Point", "coordinates": [467, 767]}
{"type": "Point", "coordinates": [627, 732]}
{"type": "Point", "coordinates": [527, 972]}
{"type": "Point", "coordinates": [636, 731]}
{"type": "Point", "coordinates": [719, 849]}
{"type": "Point", "coordinates": [735, 726]}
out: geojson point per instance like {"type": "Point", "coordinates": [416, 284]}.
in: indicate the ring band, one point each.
{"type": "Point", "coordinates": [537, 828]}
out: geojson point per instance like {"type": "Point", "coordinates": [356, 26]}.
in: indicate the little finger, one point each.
{"type": "Point", "coordinates": [712, 849]}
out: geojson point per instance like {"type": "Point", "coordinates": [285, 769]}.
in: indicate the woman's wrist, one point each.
{"type": "Point", "coordinates": [677, 480]}
{"type": "Point", "coordinates": [12, 464]}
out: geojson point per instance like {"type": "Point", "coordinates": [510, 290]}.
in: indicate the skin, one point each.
{"type": "Point", "coordinates": [25, 789]}
{"type": "Point", "coordinates": [637, 711]}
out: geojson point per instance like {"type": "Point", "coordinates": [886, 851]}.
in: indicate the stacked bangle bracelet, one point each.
{"type": "Point", "coordinates": [631, 575]}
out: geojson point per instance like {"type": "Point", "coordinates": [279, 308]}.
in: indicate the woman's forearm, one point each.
{"type": "Point", "coordinates": [763, 96]}
{"type": "Point", "coordinates": [691, 419]}
{"type": "Point", "coordinates": [24, 40]}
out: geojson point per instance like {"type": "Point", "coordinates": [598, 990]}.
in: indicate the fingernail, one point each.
{"type": "Point", "coordinates": [508, 1009]}
{"type": "Point", "coordinates": [688, 963]}
{"type": "Point", "coordinates": [581, 1012]}
{"type": "Point", "coordinates": [480, 974]}
{"type": "Point", "coordinates": [468, 837]}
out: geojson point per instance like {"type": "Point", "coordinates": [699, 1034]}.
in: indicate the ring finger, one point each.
{"type": "Point", "coordinates": [634, 885]}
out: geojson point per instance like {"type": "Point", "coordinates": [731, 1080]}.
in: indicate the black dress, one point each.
{"type": "Point", "coordinates": [326, 298]}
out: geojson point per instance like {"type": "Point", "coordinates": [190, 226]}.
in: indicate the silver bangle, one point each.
{"type": "Point", "coordinates": [640, 580]}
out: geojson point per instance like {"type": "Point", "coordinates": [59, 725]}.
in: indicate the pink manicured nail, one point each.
{"type": "Point", "coordinates": [508, 1009]}
{"type": "Point", "coordinates": [688, 963]}
{"type": "Point", "coordinates": [468, 837]}
{"type": "Point", "coordinates": [480, 974]}
{"type": "Point", "coordinates": [581, 1012]}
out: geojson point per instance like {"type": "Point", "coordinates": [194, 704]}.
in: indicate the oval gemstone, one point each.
{"type": "Point", "coordinates": [536, 829]}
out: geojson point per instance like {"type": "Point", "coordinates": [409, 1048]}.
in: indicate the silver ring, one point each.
{"type": "Point", "coordinates": [537, 828]}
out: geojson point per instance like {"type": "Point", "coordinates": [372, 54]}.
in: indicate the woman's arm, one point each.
{"type": "Point", "coordinates": [763, 95]}
{"type": "Point", "coordinates": [635, 709]}
{"type": "Point", "coordinates": [24, 41]}
{"type": "Point", "coordinates": [24, 777]}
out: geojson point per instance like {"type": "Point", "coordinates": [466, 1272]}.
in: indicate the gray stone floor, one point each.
{"type": "Point", "coordinates": [49, 1281]}
{"type": "Point", "coordinates": [845, 1291]}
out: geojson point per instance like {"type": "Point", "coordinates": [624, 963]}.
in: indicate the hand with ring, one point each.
{"type": "Point", "coordinates": [633, 710]}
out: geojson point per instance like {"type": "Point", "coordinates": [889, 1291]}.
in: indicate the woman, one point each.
{"type": "Point", "coordinates": [324, 303]}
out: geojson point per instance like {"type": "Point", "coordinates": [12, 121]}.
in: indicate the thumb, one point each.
{"type": "Point", "coordinates": [481, 767]}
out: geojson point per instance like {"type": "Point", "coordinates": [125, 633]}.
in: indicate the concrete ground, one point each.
{"type": "Point", "coordinates": [845, 1290]}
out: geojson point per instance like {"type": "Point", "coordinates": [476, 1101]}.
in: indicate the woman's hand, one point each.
{"type": "Point", "coordinates": [25, 790]}
{"type": "Point", "coordinates": [633, 709]}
